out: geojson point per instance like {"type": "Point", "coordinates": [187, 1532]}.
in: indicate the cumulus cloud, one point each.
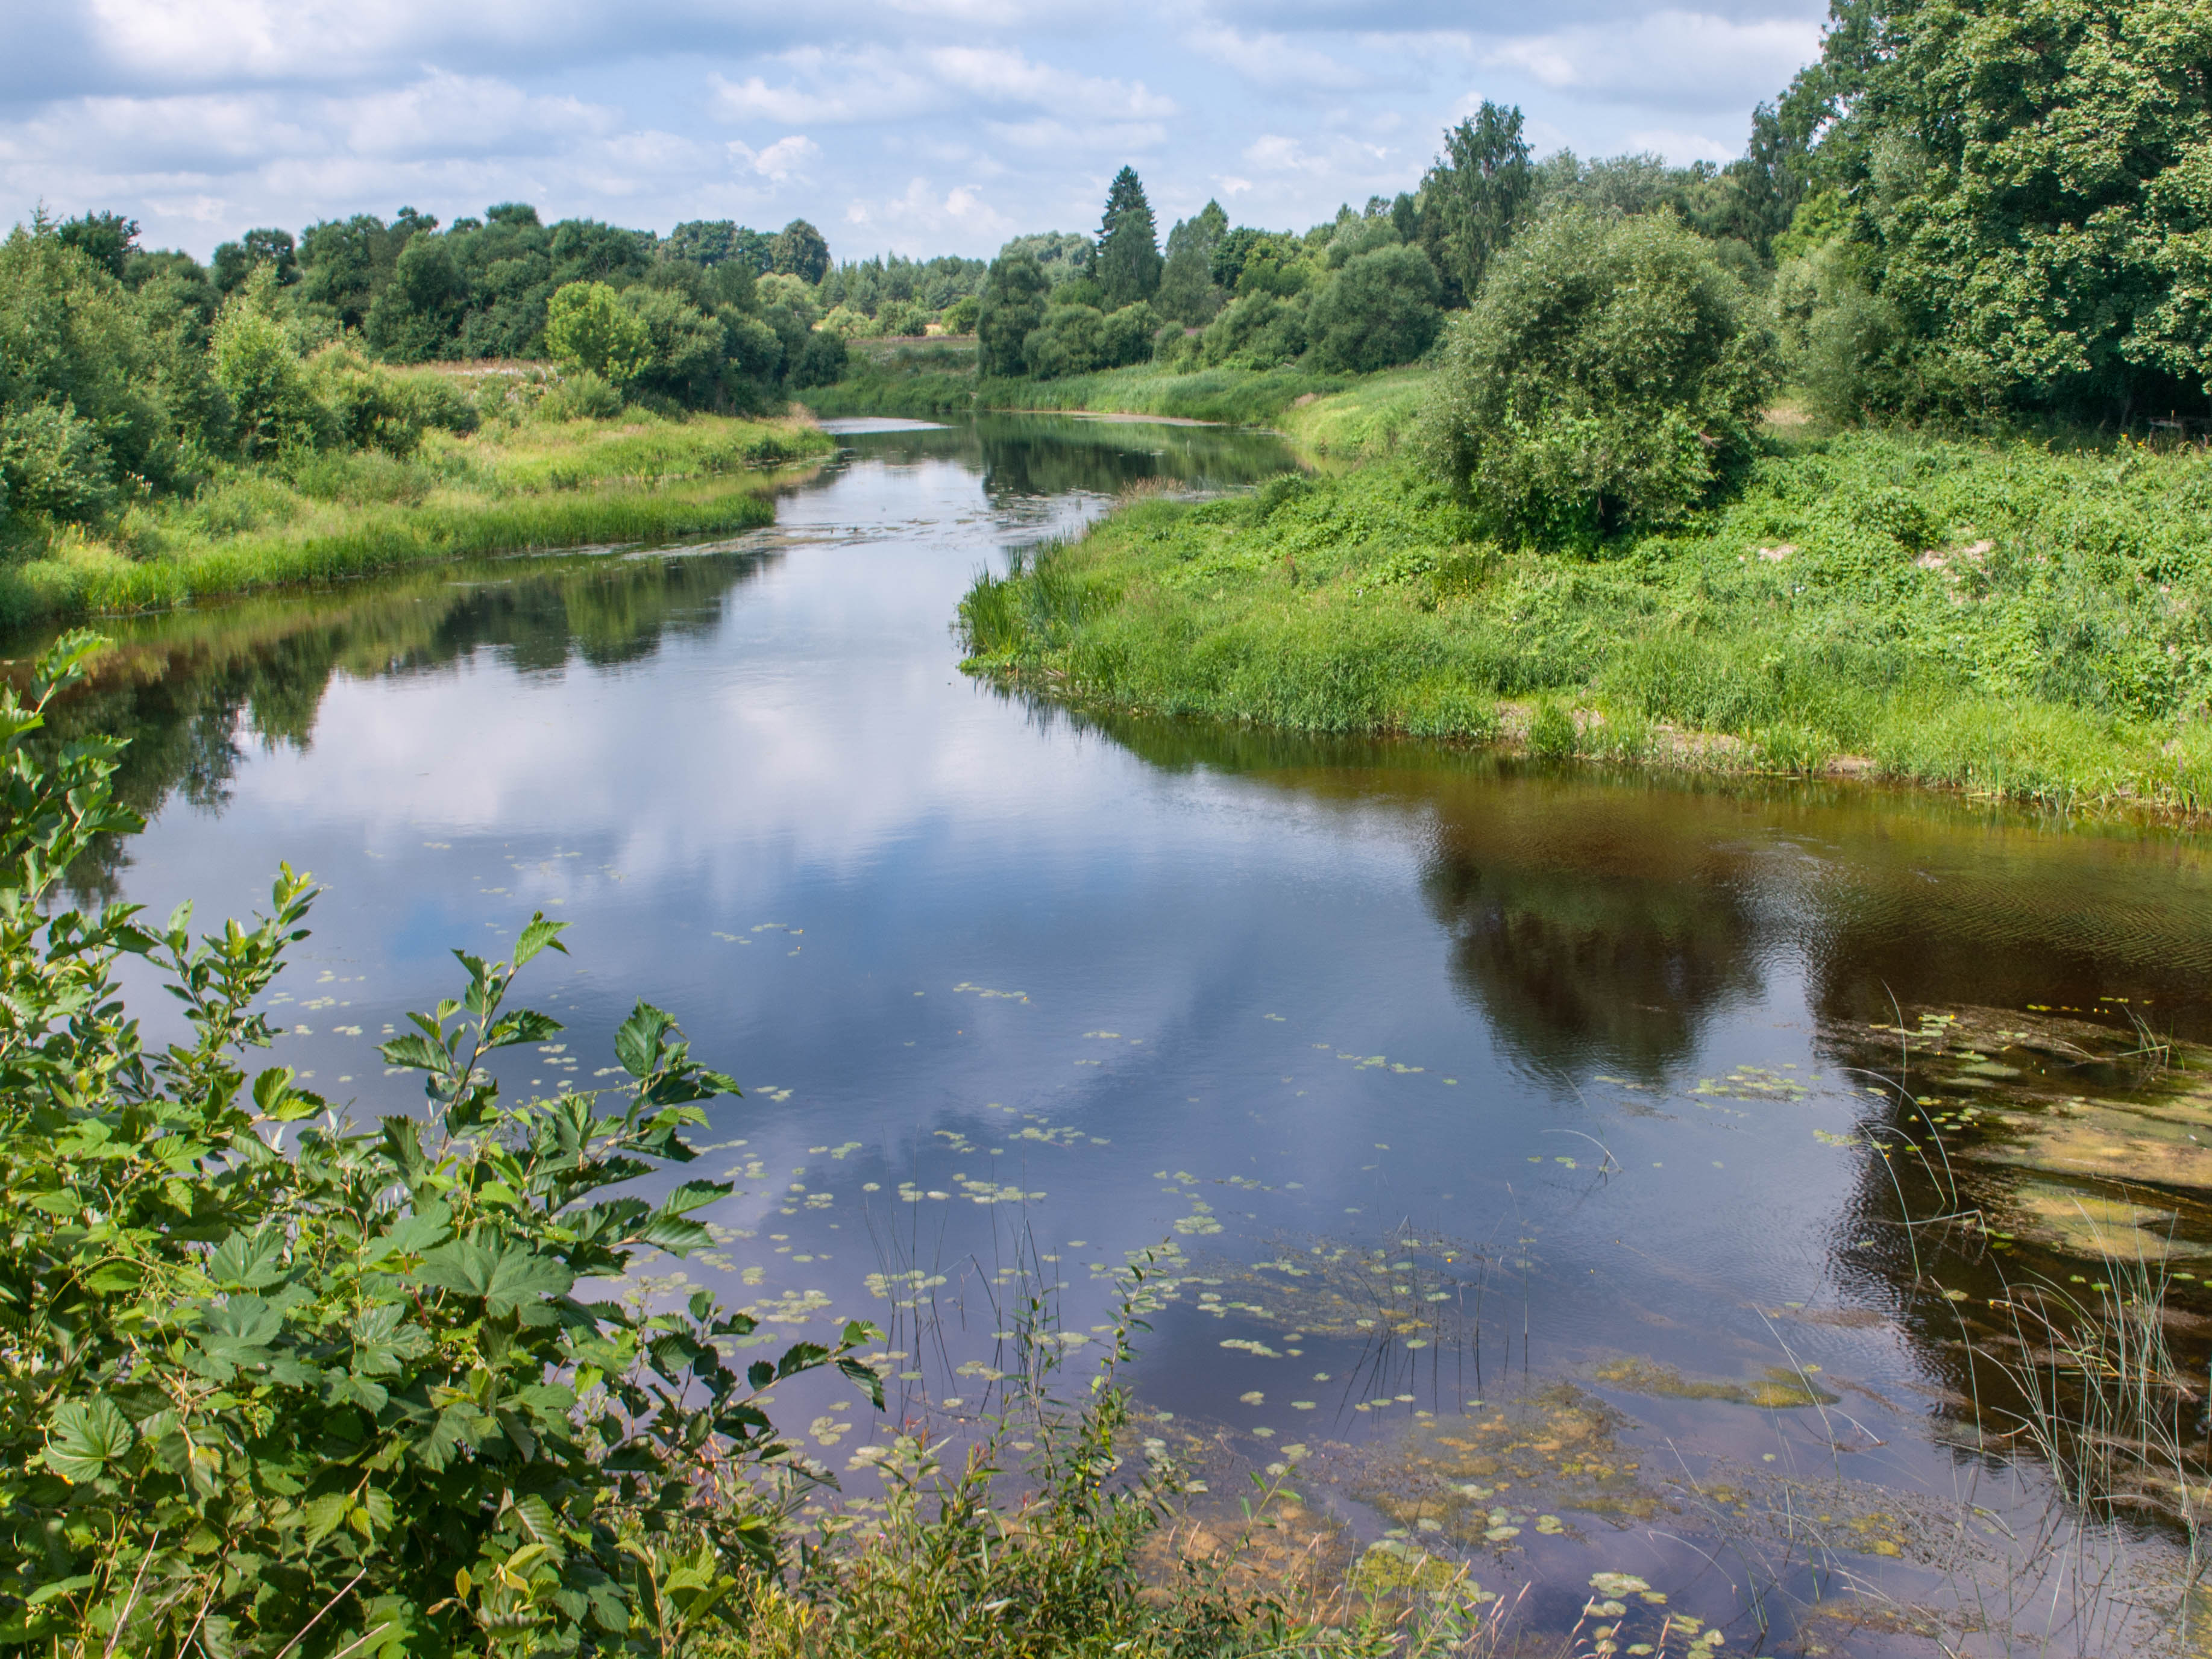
{"type": "Point", "coordinates": [1275, 61]}
{"type": "Point", "coordinates": [444, 114]}
{"type": "Point", "coordinates": [923, 220]}
{"type": "Point", "coordinates": [203, 117]}
{"type": "Point", "coordinates": [780, 159]}
{"type": "Point", "coordinates": [1670, 59]}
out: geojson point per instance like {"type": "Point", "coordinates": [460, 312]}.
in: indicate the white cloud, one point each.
{"type": "Point", "coordinates": [1046, 136]}
{"type": "Point", "coordinates": [780, 159]}
{"type": "Point", "coordinates": [1005, 76]}
{"type": "Point", "coordinates": [1339, 156]}
{"type": "Point", "coordinates": [444, 114]}
{"type": "Point", "coordinates": [1676, 59]}
{"type": "Point", "coordinates": [1275, 61]}
{"type": "Point", "coordinates": [170, 41]}
{"type": "Point", "coordinates": [1680, 148]}
{"type": "Point", "coordinates": [922, 221]}
{"type": "Point", "coordinates": [846, 87]}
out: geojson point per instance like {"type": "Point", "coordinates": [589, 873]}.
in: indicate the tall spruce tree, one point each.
{"type": "Point", "coordinates": [1127, 267]}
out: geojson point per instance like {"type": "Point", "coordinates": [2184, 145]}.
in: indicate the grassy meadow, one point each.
{"type": "Point", "coordinates": [332, 514]}
{"type": "Point", "coordinates": [2022, 620]}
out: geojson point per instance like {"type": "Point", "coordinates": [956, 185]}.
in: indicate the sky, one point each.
{"type": "Point", "coordinates": [909, 126]}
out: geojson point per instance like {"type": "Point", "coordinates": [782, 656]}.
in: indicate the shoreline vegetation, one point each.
{"type": "Point", "coordinates": [548, 486]}
{"type": "Point", "coordinates": [1332, 418]}
{"type": "Point", "coordinates": [2001, 617]}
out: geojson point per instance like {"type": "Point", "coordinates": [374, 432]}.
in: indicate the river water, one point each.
{"type": "Point", "coordinates": [1534, 1159]}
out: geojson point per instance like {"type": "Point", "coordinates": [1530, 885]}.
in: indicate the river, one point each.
{"type": "Point", "coordinates": [1542, 1166]}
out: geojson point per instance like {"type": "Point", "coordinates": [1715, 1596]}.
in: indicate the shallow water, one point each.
{"type": "Point", "coordinates": [1592, 1054]}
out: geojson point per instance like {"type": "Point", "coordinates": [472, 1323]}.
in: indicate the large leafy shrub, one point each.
{"type": "Point", "coordinates": [1379, 309]}
{"type": "Point", "coordinates": [1608, 375]}
{"type": "Point", "coordinates": [274, 1381]}
{"type": "Point", "coordinates": [589, 330]}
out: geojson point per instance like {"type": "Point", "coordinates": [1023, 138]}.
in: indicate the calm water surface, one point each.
{"type": "Point", "coordinates": [1547, 1084]}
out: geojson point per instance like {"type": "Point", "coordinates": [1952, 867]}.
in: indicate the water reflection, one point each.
{"type": "Point", "coordinates": [195, 692]}
{"type": "Point", "coordinates": [1030, 456]}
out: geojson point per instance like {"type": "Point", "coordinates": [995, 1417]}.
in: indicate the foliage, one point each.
{"type": "Point", "coordinates": [588, 329]}
{"type": "Point", "coordinates": [821, 362]}
{"type": "Point", "coordinates": [257, 363]}
{"type": "Point", "coordinates": [1609, 375]}
{"type": "Point", "coordinates": [1127, 263]}
{"type": "Point", "coordinates": [1012, 304]}
{"type": "Point", "coordinates": [2001, 617]}
{"type": "Point", "coordinates": [2028, 198]}
{"type": "Point", "coordinates": [711, 242]}
{"type": "Point", "coordinates": [1077, 339]}
{"type": "Point", "coordinates": [799, 251]}
{"type": "Point", "coordinates": [98, 386]}
{"type": "Point", "coordinates": [1257, 330]}
{"type": "Point", "coordinates": [1378, 310]}
{"type": "Point", "coordinates": [1062, 255]}
{"type": "Point", "coordinates": [1474, 195]}
{"type": "Point", "coordinates": [1188, 292]}
{"type": "Point", "coordinates": [356, 1390]}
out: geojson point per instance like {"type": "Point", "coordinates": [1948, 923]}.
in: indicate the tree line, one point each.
{"type": "Point", "coordinates": [128, 373]}
{"type": "Point", "coordinates": [1962, 208]}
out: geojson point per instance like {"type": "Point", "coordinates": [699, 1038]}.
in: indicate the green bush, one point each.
{"type": "Point", "coordinates": [1071, 340]}
{"type": "Point", "coordinates": [53, 462]}
{"type": "Point", "coordinates": [1608, 375]}
{"type": "Point", "coordinates": [258, 365]}
{"type": "Point", "coordinates": [1379, 309]}
{"type": "Point", "coordinates": [582, 396]}
{"type": "Point", "coordinates": [270, 1374]}
{"type": "Point", "coordinates": [821, 362]}
{"type": "Point", "coordinates": [588, 328]}
{"type": "Point", "coordinates": [1012, 304]}
{"type": "Point", "coordinates": [1258, 330]}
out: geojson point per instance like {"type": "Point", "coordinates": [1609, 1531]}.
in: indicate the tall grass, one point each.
{"type": "Point", "coordinates": [329, 517]}
{"type": "Point", "coordinates": [2005, 618]}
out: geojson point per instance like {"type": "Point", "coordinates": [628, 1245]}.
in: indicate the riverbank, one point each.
{"type": "Point", "coordinates": [1336, 416]}
{"type": "Point", "coordinates": [331, 516]}
{"type": "Point", "coordinates": [1998, 618]}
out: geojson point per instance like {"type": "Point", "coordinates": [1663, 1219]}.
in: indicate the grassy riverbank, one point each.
{"type": "Point", "coordinates": [1998, 617]}
{"type": "Point", "coordinates": [1331, 414]}
{"type": "Point", "coordinates": [331, 515]}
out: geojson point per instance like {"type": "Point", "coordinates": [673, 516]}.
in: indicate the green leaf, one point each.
{"type": "Point", "coordinates": [246, 1261]}
{"type": "Point", "coordinates": [83, 1437]}
{"type": "Point", "coordinates": [412, 1235]}
{"type": "Point", "coordinates": [539, 935]}
{"type": "Point", "coordinates": [416, 1052]}
{"type": "Point", "coordinates": [505, 1280]}
{"type": "Point", "coordinates": [692, 1195]}
{"type": "Point", "coordinates": [524, 1025]}
{"type": "Point", "coordinates": [274, 1096]}
{"type": "Point", "coordinates": [637, 1043]}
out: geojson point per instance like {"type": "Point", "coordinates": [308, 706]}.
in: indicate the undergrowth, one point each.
{"type": "Point", "coordinates": [2001, 616]}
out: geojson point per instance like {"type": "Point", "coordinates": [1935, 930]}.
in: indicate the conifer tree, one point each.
{"type": "Point", "coordinates": [1128, 260]}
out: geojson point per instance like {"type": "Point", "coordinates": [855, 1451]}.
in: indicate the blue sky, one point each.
{"type": "Point", "coordinates": [914, 126]}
